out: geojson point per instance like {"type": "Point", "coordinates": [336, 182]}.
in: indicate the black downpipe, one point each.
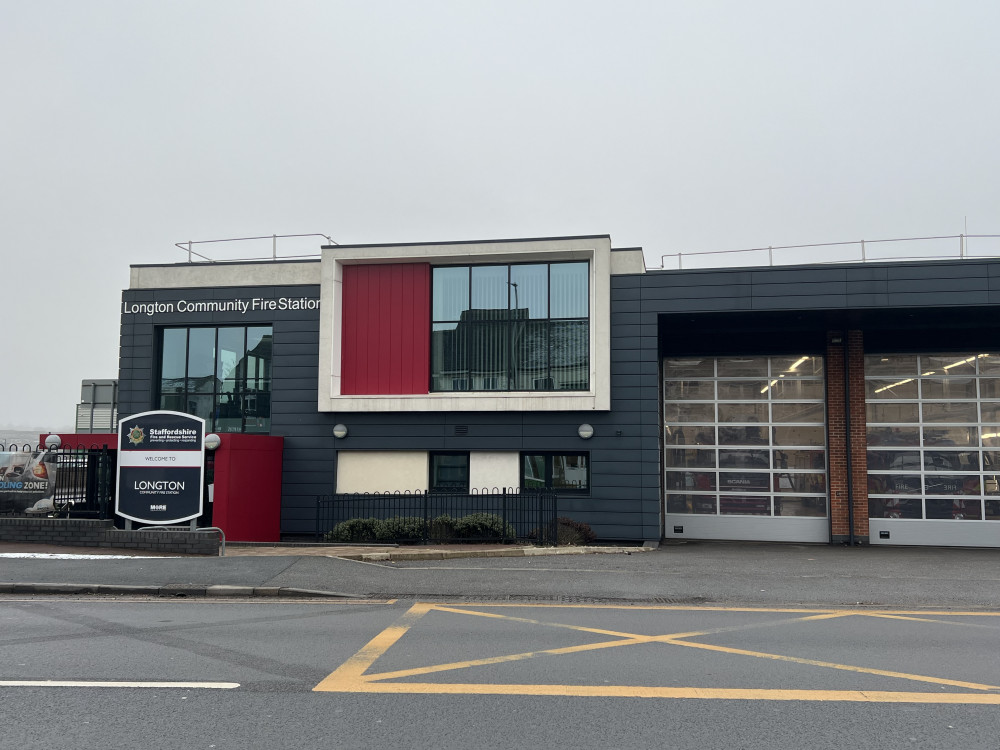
{"type": "Point", "coordinates": [847, 443]}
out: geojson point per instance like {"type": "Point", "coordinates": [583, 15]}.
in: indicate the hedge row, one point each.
{"type": "Point", "coordinates": [477, 526]}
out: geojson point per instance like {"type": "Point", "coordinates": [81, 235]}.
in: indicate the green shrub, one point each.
{"type": "Point", "coordinates": [572, 532]}
{"type": "Point", "coordinates": [405, 530]}
{"type": "Point", "coordinates": [483, 526]}
{"type": "Point", "coordinates": [355, 530]}
{"type": "Point", "coordinates": [442, 528]}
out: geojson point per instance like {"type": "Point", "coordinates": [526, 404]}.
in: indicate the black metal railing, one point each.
{"type": "Point", "coordinates": [496, 515]}
{"type": "Point", "coordinates": [79, 482]}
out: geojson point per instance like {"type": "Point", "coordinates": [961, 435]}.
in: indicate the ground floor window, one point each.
{"type": "Point", "coordinates": [449, 472]}
{"type": "Point", "coordinates": [222, 375]}
{"type": "Point", "coordinates": [933, 428]}
{"type": "Point", "coordinates": [745, 435]}
{"type": "Point", "coordinates": [562, 472]}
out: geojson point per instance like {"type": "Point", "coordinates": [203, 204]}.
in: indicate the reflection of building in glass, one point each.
{"type": "Point", "coordinates": [489, 350]}
{"type": "Point", "coordinates": [511, 328]}
{"type": "Point", "coordinates": [222, 375]}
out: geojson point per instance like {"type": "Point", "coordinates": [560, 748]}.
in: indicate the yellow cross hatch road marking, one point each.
{"type": "Point", "coordinates": [354, 676]}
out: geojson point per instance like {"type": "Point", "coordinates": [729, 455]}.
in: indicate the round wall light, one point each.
{"type": "Point", "coordinates": [53, 441]}
{"type": "Point", "coordinates": [340, 431]}
{"type": "Point", "coordinates": [212, 442]}
{"type": "Point", "coordinates": [585, 431]}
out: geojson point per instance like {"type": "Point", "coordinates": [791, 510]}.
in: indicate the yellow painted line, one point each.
{"type": "Point", "coordinates": [833, 665]}
{"type": "Point", "coordinates": [503, 659]}
{"type": "Point", "coordinates": [351, 675]}
{"type": "Point", "coordinates": [354, 668]}
{"type": "Point", "coordinates": [581, 628]}
{"type": "Point", "coordinates": [688, 608]}
{"type": "Point", "coordinates": [641, 691]}
{"type": "Point", "coordinates": [624, 639]}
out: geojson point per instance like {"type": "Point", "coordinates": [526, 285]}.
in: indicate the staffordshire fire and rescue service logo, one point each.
{"type": "Point", "coordinates": [136, 435]}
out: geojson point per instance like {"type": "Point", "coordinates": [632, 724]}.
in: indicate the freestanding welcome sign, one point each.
{"type": "Point", "coordinates": [161, 467]}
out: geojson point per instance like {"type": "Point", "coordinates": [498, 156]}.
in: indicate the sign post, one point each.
{"type": "Point", "coordinates": [161, 467]}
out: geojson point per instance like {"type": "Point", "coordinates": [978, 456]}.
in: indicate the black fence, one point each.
{"type": "Point", "coordinates": [433, 517]}
{"type": "Point", "coordinates": [68, 482]}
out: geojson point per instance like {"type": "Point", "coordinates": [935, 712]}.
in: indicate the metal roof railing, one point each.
{"type": "Point", "coordinates": [188, 247]}
{"type": "Point", "coordinates": [861, 251]}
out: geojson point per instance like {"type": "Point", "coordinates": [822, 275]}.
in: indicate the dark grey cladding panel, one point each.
{"type": "Point", "coordinates": [946, 284]}
{"type": "Point", "coordinates": [666, 279]}
{"type": "Point", "coordinates": [625, 329]}
{"type": "Point", "coordinates": [939, 298]}
{"type": "Point", "coordinates": [696, 292]}
{"type": "Point", "coordinates": [626, 306]}
{"type": "Point", "coordinates": [800, 288]}
{"type": "Point", "coordinates": [867, 273]}
{"type": "Point", "coordinates": [627, 381]}
{"type": "Point", "coordinates": [632, 293]}
{"type": "Point", "coordinates": [284, 349]}
{"type": "Point", "coordinates": [308, 476]}
{"type": "Point", "coordinates": [867, 300]}
{"type": "Point", "coordinates": [298, 384]}
{"type": "Point", "coordinates": [360, 430]}
{"type": "Point", "coordinates": [627, 342]}
{"type": "Point", "coordinates": [963, 269]}
{"type": "Point", "coordinates": [294, 359]}
{"type": "Point", "coordinates": [628, 355]}
{"type": "Point", "coordinates": [720, 304]}
{"type": "Point", "coordinates": [630, 367]}
{"type": "Point", "coordinates": [392, 443]}
{"type": "Point", "coordinates": [867, 286]}
{"type": "Point", "coordinates": [625, 281]}
{"type": "Point", "coordinates": [305, 290]}
{"type": "Point", "coordinates": [280, 370]}
{"type": "Point", "coordinates": [298, 336]}
{"type": "Point", "coordinates": [810, 275]}
{"type": "Point", "coordinates": [798, 302]}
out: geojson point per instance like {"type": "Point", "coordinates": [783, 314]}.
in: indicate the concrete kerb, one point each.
{"type": "Point", "coordinates": [406, 554]}
{"type": "Point", "coordinates": [169, 591]}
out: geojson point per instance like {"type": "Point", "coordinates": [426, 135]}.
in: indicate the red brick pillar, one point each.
{"type": "Point", "coordinates": [859, 433]}
{"type": "Point", "coordinates": [839, 442]}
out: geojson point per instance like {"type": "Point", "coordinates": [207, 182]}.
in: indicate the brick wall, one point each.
{"type": "Point", "coordinates": [88, 533]}
{"type": "Point", "coordinates": [850, 344]}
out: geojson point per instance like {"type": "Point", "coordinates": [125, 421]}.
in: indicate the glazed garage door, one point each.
{"type": "Point", "coordinates": [745, 448]}
{"type": "Point", "coordinates": [933, 430]}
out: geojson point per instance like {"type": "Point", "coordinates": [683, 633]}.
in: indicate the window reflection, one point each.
{"type": "Point", "coordinates": [222, 375]}
{"type": "Point", "coordinates": [765, 417]}
{"type": "Point", "coordinates": [521, 327]}
{"type": "Point", "coordinates": [941, 474]}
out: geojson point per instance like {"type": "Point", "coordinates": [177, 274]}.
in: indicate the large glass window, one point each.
{"type": "Point", "coordinates": [449, 472]}
{"type": "Point", "coordinates": [933, 429]}
{"type": "Point", "coordinates": [522, 327]}
{"type": "Point", "coordinates": [745, 436]}
{"type": "Point", "coordinates": [222, 375]}
{"type": "Point", "coordinates": [561, 472]}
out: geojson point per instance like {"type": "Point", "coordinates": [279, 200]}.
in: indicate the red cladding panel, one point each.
{"type": "Point", "coordinates": [386, 329]}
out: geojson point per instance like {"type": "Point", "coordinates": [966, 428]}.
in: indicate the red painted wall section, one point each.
{"type": "Point", "coordinates": [247, 505]}
{"type": "Point", "coordinates": [385, 339]}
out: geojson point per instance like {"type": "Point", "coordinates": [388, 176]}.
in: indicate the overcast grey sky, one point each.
{"type": "Point", "coordinates": [127, 126]}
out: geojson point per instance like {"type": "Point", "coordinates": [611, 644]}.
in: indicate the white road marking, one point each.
{"type": "Point", "coordinates": [60, 556]}
{"type": "Point", "coordinates": [115, 684]}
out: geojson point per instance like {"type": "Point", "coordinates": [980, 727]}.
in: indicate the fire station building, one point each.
{"type": "Point", "coordinates": [854, 403]}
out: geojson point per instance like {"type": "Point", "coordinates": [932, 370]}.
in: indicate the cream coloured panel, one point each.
{"type": "Point", "coordinates": [488, 470]}
{"type": "Point", "coordinates": [381, 471]}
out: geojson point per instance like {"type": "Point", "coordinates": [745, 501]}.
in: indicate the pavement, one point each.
{"type": "Point", "coordinates": [686, 573]}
